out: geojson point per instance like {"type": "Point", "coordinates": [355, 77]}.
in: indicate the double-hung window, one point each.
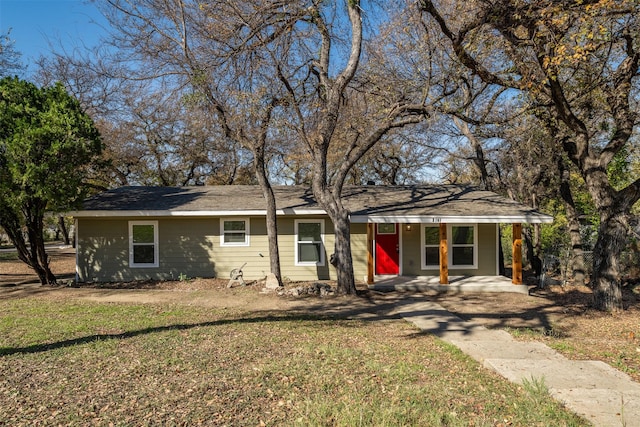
{"type": "Point", "coordinates": [463, 246]}
{"type": "Point", "coordinates": [309, 248]}
{"type": "Point", "coordinates": [234, 232]}
{"type": "Point", "coordinates": [143, 243]}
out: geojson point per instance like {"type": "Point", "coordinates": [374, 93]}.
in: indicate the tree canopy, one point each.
{"type": "Point", "coordinates": [47, 150]}
{"type": "Point", "coordinates": [9, 57]}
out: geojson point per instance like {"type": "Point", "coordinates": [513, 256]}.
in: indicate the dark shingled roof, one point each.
{"type": "Point", "coordinates": [364, 202]}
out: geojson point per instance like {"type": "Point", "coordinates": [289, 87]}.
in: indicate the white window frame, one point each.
{"type": "Point", "coordinates": [156, 250]}
{"type": "Point", "coordinates": [320, 263]}
{"type": "Point", "coordinates": [450, 247]}
{"type": "Point", "coordinates": [247, 227]}
{"type": "Point", "coordinates": [474, 245]}
{"type": "Point", "coordinates": [423, 247]}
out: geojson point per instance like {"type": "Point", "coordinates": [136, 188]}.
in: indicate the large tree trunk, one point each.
{"type": "Point", "coordinates": [38, 254]}
{"type": "Point", "coordinates": [272, 224]}
{"type": "Point", "coordinates": [577, 250]}
{"type": "Point", "coordinates": [532, 244]}
{"type": "Point", "coordinates": [612, 238]}
{"type": "Point", "coordinates": [32, 253]}
{"type": "Point", "coordinates": [341, 259]}
{"type": "Point", "coordinates": [577, 256]}
{"type": "Point", "coordinates": [614, 208]}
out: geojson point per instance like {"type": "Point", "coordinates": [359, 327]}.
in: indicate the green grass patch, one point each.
{"type": "Point", "coordinates": [9, 256]}
{"type": "Point", "coordinates": [70, 362]}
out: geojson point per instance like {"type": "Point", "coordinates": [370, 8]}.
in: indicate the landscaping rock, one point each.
{"type": "Point", "coordinates": [317, 289]}
{"type": "Point", "coordinates": [271, 282]}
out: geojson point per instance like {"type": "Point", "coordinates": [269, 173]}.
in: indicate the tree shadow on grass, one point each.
{"type": "Point", "coordinates": [260, 318]}
{"type": "Point", "coordinates": [540, 311]}
{"type": "Point", "coordinates": [316, 313]}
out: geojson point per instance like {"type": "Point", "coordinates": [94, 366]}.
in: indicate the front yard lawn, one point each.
{"type": "Point", "coordinates": [75, 362]}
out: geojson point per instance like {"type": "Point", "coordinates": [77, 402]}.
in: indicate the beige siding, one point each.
{"type": "Point", "coordinates": [103, 250]}
{"type": "Point", "coordinates": [256, 255]}
{"type": "Point", "coordinates": [487, 253]}
{"type": "Point", "coordinates": [411, 252]}
{"type": "Point", "coordinates": [187, 246]}
{"type": "Point", "coordinates": [191, 247]}
{"type": "Point", "coordinates": [359, 251]}
{"type": "Point", "coordinates": [287, 245]}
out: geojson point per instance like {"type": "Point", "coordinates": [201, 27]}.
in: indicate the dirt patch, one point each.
{"type": "Point", "coordinates": [561, 317]}
{"type": "Point", "coordinates": [18, 281]}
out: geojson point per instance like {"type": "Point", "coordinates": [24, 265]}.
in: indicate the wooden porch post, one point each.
{"type": "Point", "coordinates": [444, 260]}
{"type": "Point", "coordinates": [516, 258]}
{"type": "Point", "coordinates": [370, 253]}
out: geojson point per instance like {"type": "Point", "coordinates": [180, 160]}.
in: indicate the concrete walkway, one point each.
{"type": "Point", "coordinates": [592, 389]}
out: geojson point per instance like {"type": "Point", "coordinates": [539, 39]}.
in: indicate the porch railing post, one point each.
{"type": "Point", "coordinates": [516, 263]}
{"type": "Point", "coordinates": [444, 260]}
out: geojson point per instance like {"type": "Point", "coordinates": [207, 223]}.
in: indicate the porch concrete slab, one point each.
{"type": "Point", "coordinates": [592, 389]}
{"type": "Point", "coordinates": [456, 284]}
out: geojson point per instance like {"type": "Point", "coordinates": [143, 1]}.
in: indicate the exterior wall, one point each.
{"type": "Point", "coordinates": [287, 245]}
{"type": "Point", "coordinates": [359, 251]}
{"type": "Point", "coordinates": [187, 246]}
{"type": "Point", "coordinates": [191, 247]}
{"type": "Point", "coordinates": [487, 253]}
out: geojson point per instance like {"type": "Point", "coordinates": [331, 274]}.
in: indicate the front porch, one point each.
{"type": "Point", "coordinates": [456, 284]}
{"type": "Point", "coordinates": [440, 247]}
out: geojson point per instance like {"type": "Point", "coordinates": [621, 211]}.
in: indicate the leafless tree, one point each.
{"type": "Point", "coordinates": [271, 73]}
{"type": "Point", "coordinates": [580, 62]}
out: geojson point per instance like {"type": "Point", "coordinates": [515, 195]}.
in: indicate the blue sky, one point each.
{"type": "Point", "coordinates": [37, 24]}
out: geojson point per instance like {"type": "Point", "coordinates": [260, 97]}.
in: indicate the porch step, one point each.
{"type": "Point", "coordinates": [456, 284]}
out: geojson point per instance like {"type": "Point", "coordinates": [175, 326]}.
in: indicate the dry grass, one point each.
{"type": "Point", "coordinates": [188, 361]}
{"type": "Point", "coordinates": [71, 362]}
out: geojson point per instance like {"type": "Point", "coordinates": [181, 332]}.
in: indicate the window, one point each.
{"type": "Point", "coordinates": [462, 241]}
{"type": "Point", "coordinates": [431, 247]}
{"type": "Point", "coordinates": [463, 246]}
{"type": "Point", "coordinates": [309, 242]}
{"type": "Point", "coordinates": [143, 243]}
{"type": "Point", "coordinates": [235, 232]}
{"type": "Point", "coordinates": [384, 228]}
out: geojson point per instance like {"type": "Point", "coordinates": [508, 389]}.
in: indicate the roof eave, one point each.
{"type": "Point", "coordinates": [178, 213]}
{"type": "Point", "coordinates": [405, 219]}
{"type": "Point", "coordinates": [454, 219]}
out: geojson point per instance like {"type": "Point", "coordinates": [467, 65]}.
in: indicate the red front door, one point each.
{"type": "Point", "coordinates": [387, 249]}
